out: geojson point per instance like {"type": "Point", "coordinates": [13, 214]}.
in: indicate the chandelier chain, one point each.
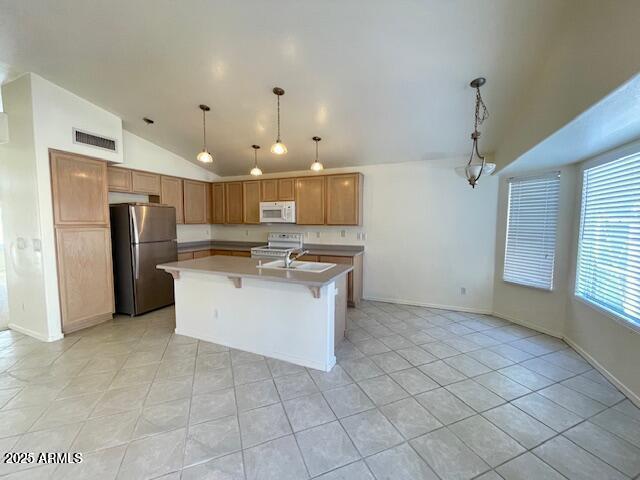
{"type": "Point", "coordinates": [481, 110]}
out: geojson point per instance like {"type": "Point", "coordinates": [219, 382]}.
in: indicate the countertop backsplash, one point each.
{"type": "Point", "coordinates": [315, 235]}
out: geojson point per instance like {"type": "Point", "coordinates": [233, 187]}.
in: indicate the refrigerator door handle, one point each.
{"type": "Point", "coordinates": [136, 261]}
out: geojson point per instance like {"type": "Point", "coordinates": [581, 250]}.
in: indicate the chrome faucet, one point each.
{"type": "Point", "coordinates": [288, 260]}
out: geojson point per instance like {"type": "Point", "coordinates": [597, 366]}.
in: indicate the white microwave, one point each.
{"type": "Point", "coordinates": [277, 212]}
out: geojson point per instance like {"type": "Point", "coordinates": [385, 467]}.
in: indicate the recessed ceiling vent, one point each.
{"type": "Point", "coordinates": [86, 138]}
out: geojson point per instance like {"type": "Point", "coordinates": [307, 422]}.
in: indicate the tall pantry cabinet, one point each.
{"type": "Point", "coordinates": [83, 239]}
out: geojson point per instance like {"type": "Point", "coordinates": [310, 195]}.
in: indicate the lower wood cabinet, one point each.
{"type": "Point", "coordinates": [202, 253]}
{"type": "Point", "coordinates": [240, 253]}
{"type": "Point", "coordinates": [233, 202]}
{"type": "Point", "coordinates": [354, 277]}
{"type": "Point", "coordinates": [171, 194]}
{"type": "Point", "coordinates": [185, 256]}
{"type": "Point", "coordinates": [251, 202]}
{"type": "Point", "coordinates": [85, 275]}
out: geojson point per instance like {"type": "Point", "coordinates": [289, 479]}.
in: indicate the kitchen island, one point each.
{"type": "Point", "coordinates": [289, 314]}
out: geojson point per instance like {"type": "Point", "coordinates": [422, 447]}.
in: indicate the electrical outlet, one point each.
{"type": "Point", "coordinates": [246, 232]}
{"type": "Point", "coordinates": [463, 290]}
{"type": "Point", "coordinates": [317, 234]}
{"type": "Point", "coordinates": [343, 233]}
{"type": "Point", "coordinates": [358, 236]}
{"type": "Point", "coordinates": [364, 236]}
{"type": "Point", "coordinates": [215, 313]}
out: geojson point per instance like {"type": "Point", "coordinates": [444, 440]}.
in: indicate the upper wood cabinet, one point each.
{"type": "Point", "coordinates": [79, 188]}
{"type": "Point", "coordinates": [209, 209]}
{"type": "Point", "coordinates": [251, 202]}
{"type": "Point", "coordinates": [233, 202]}
{"type": "Point", "coordinates": [145, 183]}
{"type": "Point", "coordinates": [286, 189]}
{"type": "Point", "coordinates": [269, 190]}
{"type": "Point", "coordinates": [344, 199]}
{"type": "Point", "coordinates": [218, 207]}
{"type": "Point", "coordinates": [171, 194]}
{"type": "Point", "coordinates": [195, 201]}
{"type": "Point", "coordinates": [85, 276]}
{"type": "Point", "coordinates": [310, 198]}
{"type": "Point", "coordinates": [119, 179]}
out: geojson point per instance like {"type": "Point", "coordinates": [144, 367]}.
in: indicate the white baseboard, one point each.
{"type": "Point", "coordinates": [430, 305]}
{"type": "Point", "coordinates": [607, 374]}
{"type": "Point", "coordinates": [34, 334]}
{"type": "Point", "coordinates": [530, 325]}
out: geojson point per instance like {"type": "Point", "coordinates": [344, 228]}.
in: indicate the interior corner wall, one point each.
{"type": "Point", "coordinates": [21, 215]}
{"type": "Point", "coordinates": [428, 234]}
{"type": "Point", "coordinates": [542, 310]}
{"type": "Point", "coordinates": [606, 341]}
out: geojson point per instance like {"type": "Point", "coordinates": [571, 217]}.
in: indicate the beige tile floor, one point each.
{"type": "Point", "coordinates": [417, 393]}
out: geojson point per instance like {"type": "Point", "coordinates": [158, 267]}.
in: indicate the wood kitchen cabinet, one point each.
{"type": "Point", "coordinates": [218, 206]}
{"type": "Point", "coordinates": [171, 194]}
{"type": "Point", "coordinates": [79, 189]}
{"type": "Point", "coordinates": [195, 202]}
{"type": "Point", "coordinates": [286, 189]}
{"type": "Point", "coordinates": [233, 202]}
{"type": "Point", "coordinates": [209, 206]}
{"type": "Point", "coordinates": [185, 256]}
{"type": "Point", "coordinates": [202, 253]}
{"type": "Point", "coordinates": [119, 179]}
{"type": "Point", "coordinates": [269, 190]}
{"type": "Point", "coordinates": [145, 183]}
{"type": "Point", "coordinates": [251, 202]}
{"type": "Point", "coordinates": [85, 276]}
{"type": "Point", "coordinates": [344, 199]}
{"type": "Point", "coordinates": [310, 200]}
{"type": "Point", "coordinates": [277, 189]}
{"type": "Point", "coordinates": [226, 253]}
{"type": "Point", "coordinates": [354, 278]}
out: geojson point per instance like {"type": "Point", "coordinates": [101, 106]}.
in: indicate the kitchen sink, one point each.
{"type": "Point", "coordinates": [314, 267]}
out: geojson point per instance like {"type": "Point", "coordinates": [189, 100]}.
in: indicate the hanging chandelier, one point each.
{"type": "Point", "coordinates": [316, 166]}
{"type": "Point", "coordinates": [255, 171]}
{"type": "Point", "coordinates": [204, 156]}
{"type": "Point", "coordinates": [278, 148]}
{"type": "Point", "coordinates": [477, 166]}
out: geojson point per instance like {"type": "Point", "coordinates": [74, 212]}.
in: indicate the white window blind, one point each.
{"type": "Point", "coordinates": [531, 230]}
{"type": "Point", "coordinates": [608, 272]}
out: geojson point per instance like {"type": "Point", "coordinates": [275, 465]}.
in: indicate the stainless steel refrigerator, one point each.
{"type": "Point", "coordinates": [142, 236]}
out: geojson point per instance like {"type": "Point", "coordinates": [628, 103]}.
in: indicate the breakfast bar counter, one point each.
{"type": "Point", "coordinates": [292, 314]}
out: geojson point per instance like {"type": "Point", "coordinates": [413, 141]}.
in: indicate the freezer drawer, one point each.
{"type": "Point", "coordinates": [153, 288]}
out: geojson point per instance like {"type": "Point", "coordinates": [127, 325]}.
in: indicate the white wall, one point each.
{"type": "Point", "coordinates": [540, 309]}
{"type": "Point", "coordinates": [427, 235]}
{"type": "Point", "coordinates": [607, 342]}
{"type": "Point", "coordinates": [20, 214]}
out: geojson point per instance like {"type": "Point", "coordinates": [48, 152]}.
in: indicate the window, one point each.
{"type": "Point", "coordinates": [608, 272]}
{"type": "Point", "coordinates": [531, 230]}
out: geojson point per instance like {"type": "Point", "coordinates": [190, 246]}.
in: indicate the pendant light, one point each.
{"type": "Point", "coordinates": [477, 166]}
{"type": "Point", "coordinates": [317, 166]}
{"type": "Point", "coordinates": [278, 148]}
{"type": "Point", "coordinates": [255, 171]}
{"type": "Point", "coordinates": [204, 156]}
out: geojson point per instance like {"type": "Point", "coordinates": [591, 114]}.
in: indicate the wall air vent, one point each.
{"type": "Point", "coordinates": [86, 138]}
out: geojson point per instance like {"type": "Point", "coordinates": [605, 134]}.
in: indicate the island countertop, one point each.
{"type": "Point", "coordinates": [240, 267]}
{"type": "Point", "coordinates": [314, 249]}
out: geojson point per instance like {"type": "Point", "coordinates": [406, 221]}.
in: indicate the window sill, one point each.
{"type": "Point", "coordinates": [541, 289]}
{"type": "Point", "coordinates": [629, 324]}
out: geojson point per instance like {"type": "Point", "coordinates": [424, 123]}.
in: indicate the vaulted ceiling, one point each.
{"type": "Point", "coordinates": [380, 81]}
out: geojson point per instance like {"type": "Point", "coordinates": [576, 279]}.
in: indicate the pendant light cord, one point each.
{"type": "Point", "coordinates": [316, 151]}
{"type": "Point", "coordinates": [278, 140]}
{"type": "Point", "coordinates": [255, 157]}
{"type": "Point", "coordinates": [204, 130]}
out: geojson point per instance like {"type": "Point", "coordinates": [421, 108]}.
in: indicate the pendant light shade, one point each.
{"type": "Point", "coordinates": [204, 156]}
{"type": "Point", "coordinates": [278, 148]}
{"type": "Point", "coordinates": [316, 166]}
{"type": "Point", "coordinates": [477, 166]}
{"type": "Point", "coordinates": [255, 171]}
